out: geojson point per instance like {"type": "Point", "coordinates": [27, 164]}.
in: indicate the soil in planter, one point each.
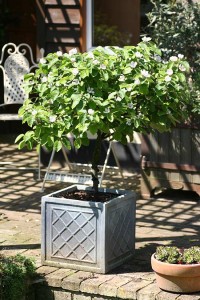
{"type": "Point", "coordinates": [83, 195]}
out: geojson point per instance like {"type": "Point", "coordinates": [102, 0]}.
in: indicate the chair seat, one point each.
{"type": "Point", "coordinates": [9, 117]}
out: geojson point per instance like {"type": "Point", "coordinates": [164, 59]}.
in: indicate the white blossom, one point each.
{"type": "Point", "coordinates": [180, 56]}
{"type": "Point", "coordinates": [167, 78]}
{"type": "Point", "coordinates": [43, 61]}
{"type": "Point", "coordinates": [130, 105]}
{"type": "Point", "coordinates": [133, 64]}
{"type": "Point", "coordinates": [129, 88]}
{"type": "Point", "coordinates": [169, 72]}
{"type": "Point", "coordinates": [118, 98]}
{"type": "Point", "coordinates": [157, 58]}
{"type": "Point", "coordinates": [137, 81]}
{"type": "Point", "coordinates": [128, 122]}
{"type": "Point", "coordinates": [75, 81]}
{"type": "Point", "coordinates": [173, 58]}
{"type": "Point", "coordinates": [95, 62]}
{"type": "Point", "coordinates": [103, 67]}
{"type": "Point", "coordinates": [138, 54]}
{"type": "Point", "coordinates": [90, 111]}
{"type": "Point", "coordinates": [121, 78]}
{"type": "Point", "coordinates": [73, 59]}
{"type": "Point", "coordinates": [44, 79]}
{"type": "Point", "coordinates": [72, 51]}
{"type": "Point", "coordinates": [90, 55]}
{"type": "Point", "coordinates": [182, 68]}
{"type": "Point", "coordinates": [75, 71]}
{"type": "Point", "coordinates": [145, 73]}
{"type": "Point", "coordinates": [109, 51]}
{"type": "Point", "coordinates": [146, 39]}
{"type": "Point", "coordinates": [52, 119]}
{"type": "Point", "coordinates": [107, 110]}
{"type": "Point", "coordinates": [90, 90]}
{"type": "Point", "coordinates": [59, 53]}
{"type": "Point", "coordinates": [34, 112]}
{"type": "Point", "coordinates": [50, 74]}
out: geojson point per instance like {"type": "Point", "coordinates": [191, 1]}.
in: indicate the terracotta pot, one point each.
{"type": "Point", "coordinates": [176, 277]}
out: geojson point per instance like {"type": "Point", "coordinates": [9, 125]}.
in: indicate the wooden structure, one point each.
{"type": "Point", "coordinates": [171, 161]}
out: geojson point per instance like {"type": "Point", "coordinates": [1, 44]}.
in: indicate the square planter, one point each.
{"type": "Point", "coordinates": [86, 235]}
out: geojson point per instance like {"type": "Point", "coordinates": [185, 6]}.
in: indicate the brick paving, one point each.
{"type": "Point", "coordinates": [173, 220]}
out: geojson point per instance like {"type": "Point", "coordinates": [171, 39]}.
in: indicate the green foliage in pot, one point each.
{"type": "Point", "coordinates": [14, 274]}
{"type": "Point", "coordinates": [174, 255]}
{"type": "Point", "coordinates": [109, 92]}
{"type": "Point", "coordinates": [174, 26]}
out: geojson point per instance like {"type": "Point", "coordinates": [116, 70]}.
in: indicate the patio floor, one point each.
{"type": "Point", "coordinates": [173, 220]}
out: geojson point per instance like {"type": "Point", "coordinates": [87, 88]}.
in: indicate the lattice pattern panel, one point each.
{"type": "Point", "coordinates": [120, 232]}
{"type": "Point", "coordinates": [73, 235]}
{"type": "Point", "coordinates": [16, 66]}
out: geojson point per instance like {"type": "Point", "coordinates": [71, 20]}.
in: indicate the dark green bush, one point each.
{"type": "Point", "coordinates": [174, 27]}
{"type": "Point", "coordinates": [15, 271]}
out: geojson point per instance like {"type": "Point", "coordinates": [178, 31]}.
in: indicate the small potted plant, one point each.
{"type": "Point", "coordinates": [108, 92]}
{"type": "Point", "coordinates": [177, 270]}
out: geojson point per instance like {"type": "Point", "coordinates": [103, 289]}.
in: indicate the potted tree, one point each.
{"type": "Point", "coordinates": [177, 270]}
{"type": "Point", "coordinates": [109, 92]}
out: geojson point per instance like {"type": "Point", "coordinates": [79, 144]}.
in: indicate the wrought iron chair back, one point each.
{"type": "Point", "coordinates": [15, 62]}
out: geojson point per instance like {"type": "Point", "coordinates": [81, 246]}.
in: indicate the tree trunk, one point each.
{"type": "Point", "coordinates": [95, 161]}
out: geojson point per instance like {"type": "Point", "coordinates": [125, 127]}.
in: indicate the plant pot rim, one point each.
{"type": "Point", "coordinates": [190, 270]}
{"type": "Point", "coordinates": [120, 196]}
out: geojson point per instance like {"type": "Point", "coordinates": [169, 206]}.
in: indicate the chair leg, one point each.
{"type": "Point", "coordinates": [48, 169]}
{"type": "Point", "coordinates": [105, 164]}
{"type": "Point", "coordinates": [39, 163]}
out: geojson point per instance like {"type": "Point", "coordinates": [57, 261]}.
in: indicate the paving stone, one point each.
{"type": "Point", "coordinates": [62, 295]}
{"type": "Point", "coordinates": [188, 297]}
{"type": "Point", "coordinates": [98, 298]}
{"type": "Point", "coordinates": [129, 290]}
{"type": "Point", "coordinates": [166, 296]}
{"type": "Point", "coordinates": [149, 292]}
{"type": "Point", "coordinates": [55, 278]}
{"type": "Point", "coordinates": [73, 281]}
{"type": "Point", "coordinates": [44, 270]}
{"type": "Point", "coordinates": [140, 275]}
{"type": "Point", "coordinates": [81, 297]}
{"type": "Point", "coordinates": [91, 285]}
{"type": "Point", "coordinates": [109, 288]}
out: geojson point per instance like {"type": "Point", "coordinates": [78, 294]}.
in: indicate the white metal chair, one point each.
{"type": "Point", "coordinates": [15, 62]}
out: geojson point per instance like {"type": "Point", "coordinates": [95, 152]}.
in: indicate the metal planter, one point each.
{"type": "Point", "coordinates": [86, 235]}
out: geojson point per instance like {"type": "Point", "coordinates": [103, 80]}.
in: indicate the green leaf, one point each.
{"type": "Point", "coordinates": [77, 143]}
{"type": "Point", "coordinates": [19, 137]}
{"type": "Point", "coordinates": [58, 145]}
{"type": "Point", "coordinates": [85, 142]}
{"type": "Point", "coordinates": [52, 62]}
{"type": "Point", "coordinates": [117, 135]}
{"type": "Point", "coordinates": [66, 143]}
{"type": "Point", "coordinates": [93, 128]}
{"type": "Point", "coordinates": [28, 135]}
{"type": "Point", "coordinates": [127, 70]}
{"type": "Point", "coordinates": [181, 77]}
{"type": "Point", "coordinates": [21, 145]}
{"type": "Point", "coordinates": [76, 99]}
